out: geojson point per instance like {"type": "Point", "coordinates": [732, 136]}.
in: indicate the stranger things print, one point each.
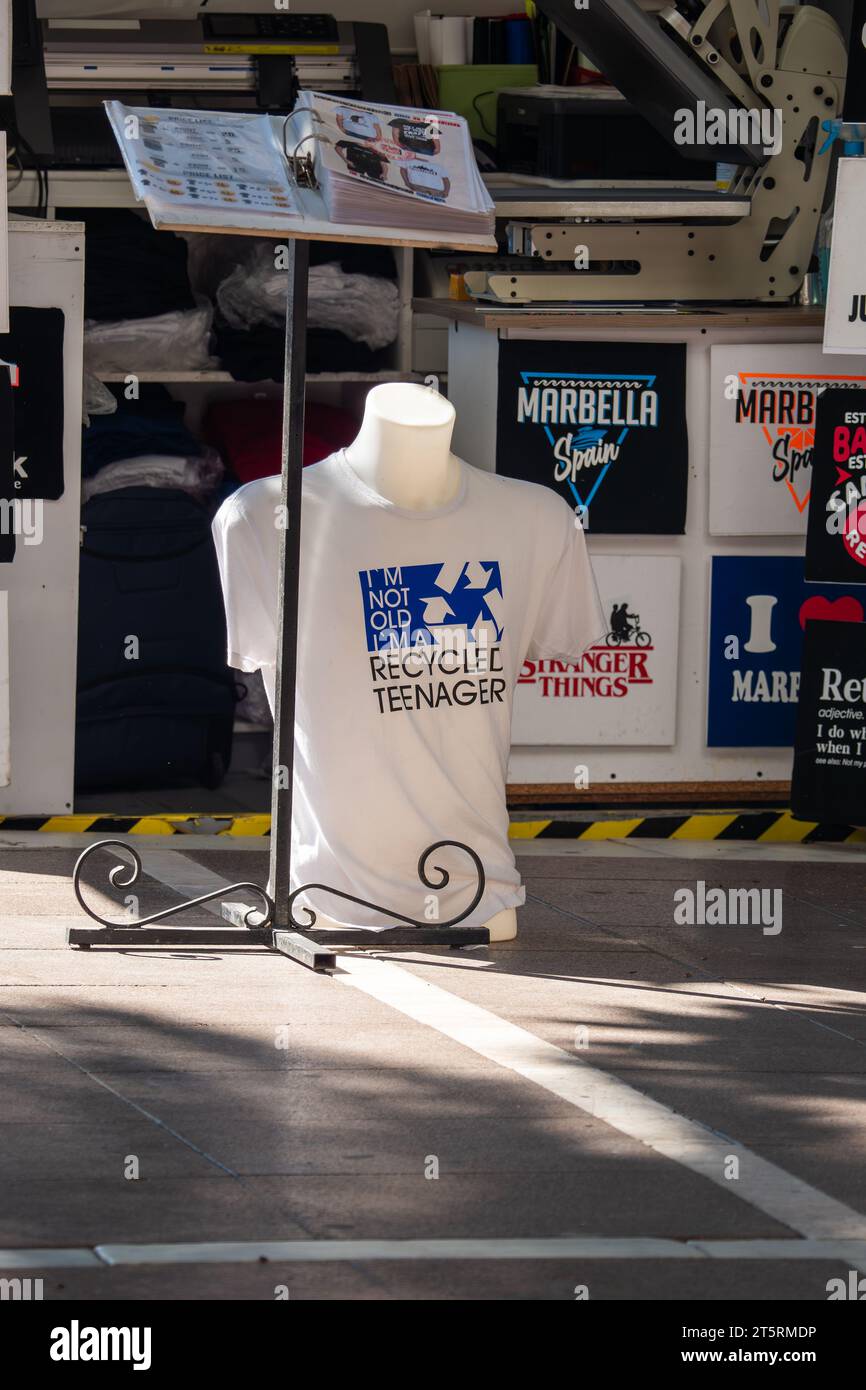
{"type": "Point", "coordinates": [434, 635]}
{"type": "Point", "coordinates": [623, 689]}
{"type": "Point", "coordinates": [603, 425]}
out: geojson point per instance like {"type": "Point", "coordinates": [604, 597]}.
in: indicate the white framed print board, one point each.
{"type": "Point", "coordinates": [4, 689]}
{"type": "Point", "coordinates": [622, 690]}
{"type": "Point", "coordinates": [762, 432]}
{"type": "Point", "coordinates": [845, 315]}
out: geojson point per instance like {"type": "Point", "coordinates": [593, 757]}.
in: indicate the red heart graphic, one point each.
{"type": "Point", "coordinates": [838, 610]}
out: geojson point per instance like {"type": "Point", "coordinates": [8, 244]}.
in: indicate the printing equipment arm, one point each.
{"type": "Point", "coordinates": [733, 81]}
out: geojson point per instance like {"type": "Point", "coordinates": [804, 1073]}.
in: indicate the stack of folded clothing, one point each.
{"type": "Point", "coordinates": [198, 476]}
{"type": "Point", "coordinates": [139, 310]}
{"type": "Point", "coordinates": [248, 434]}
{"type": "Point", "coordinates": [145, 443]}
{"type": "Point", "coordinates": [352, 314]}
{"type": "Point", "coordinates": [131, 271]}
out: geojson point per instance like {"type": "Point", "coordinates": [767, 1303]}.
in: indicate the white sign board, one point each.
{"type": "Point", "coordinates": [5, 48]}
{"type": "Point", "coordinates": [762, 432]}
{"type": "Point", "coordinates": [4, 691]}
{"type": "Point", "coordinates": [624, 689]}
{"type": "Point", "coordinates": [845, 316]}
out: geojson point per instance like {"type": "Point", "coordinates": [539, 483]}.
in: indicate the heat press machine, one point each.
{"type": "Point", "coordinates": [745, 83]}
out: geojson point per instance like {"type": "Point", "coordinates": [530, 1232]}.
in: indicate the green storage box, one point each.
{"type": "Point", "coordinates": [470, 89]}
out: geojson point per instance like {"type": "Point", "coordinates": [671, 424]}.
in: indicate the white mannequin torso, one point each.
{"type": "Point", "coordinates": [403, 453]}
{"type": "Point", "coordinates": [403, 449]}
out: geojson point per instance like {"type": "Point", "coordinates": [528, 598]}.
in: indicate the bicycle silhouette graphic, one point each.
{"type": "Point", "coordinates": [625, 629]}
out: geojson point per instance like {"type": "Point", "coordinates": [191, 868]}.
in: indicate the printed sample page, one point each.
{"type": "Point", "coordinates": [203, 164]}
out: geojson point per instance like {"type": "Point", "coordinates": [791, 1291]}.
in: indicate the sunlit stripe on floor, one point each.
{"type": "Point", "coordinates": [847, 1252]}
{"type": "Point", "coordinates": [790, 1200]}
{"type": "Point", "coordinates": [47, 1258]}
{"type": "Point", "coordinates": [184, 876]}
{"type": "Point", "coordinates": [769, 1189]}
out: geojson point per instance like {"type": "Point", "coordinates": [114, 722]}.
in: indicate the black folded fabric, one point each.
{"type": "Point", "coordinates": [250, 354]}
{"type": "Point", "coordinates": [355, 260]}
{"type": "Point", "coordinates": [330, 351]}
{"type": "Point", "coordinates": [131, 271]}
{"type": "Point", "coordinates": [257, 354]}
{"type": "Point", "coordinates": [153, 424]}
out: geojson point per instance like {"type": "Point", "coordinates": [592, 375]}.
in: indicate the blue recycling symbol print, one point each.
{"type": "Point", "coordinates": [405, 605]}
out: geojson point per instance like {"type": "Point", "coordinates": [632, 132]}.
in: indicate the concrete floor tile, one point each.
{"type": "Point", "coordinates": [761, 1040]}
{"type": "Point", "coordinates": [448, 1281]}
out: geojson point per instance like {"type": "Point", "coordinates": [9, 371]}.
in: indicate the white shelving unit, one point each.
{"type": "Point", "coordinates": [71, 189]}
{"type": "Point", "coordinates": [47, 271]}
{"type": "Point", "coordinates": [74, 189]}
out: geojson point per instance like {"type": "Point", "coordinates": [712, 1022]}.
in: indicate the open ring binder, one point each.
{"type": "Point", "coordinates": [331, 160]}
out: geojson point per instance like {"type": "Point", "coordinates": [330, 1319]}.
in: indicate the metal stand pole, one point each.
{"type": "Point", "coordinates": [290, 558]}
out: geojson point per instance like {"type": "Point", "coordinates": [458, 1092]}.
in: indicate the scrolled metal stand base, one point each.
{"type": "Point", "coordinates": [254, 930]}
{"type": "Point", "coordinates": [251, 925]}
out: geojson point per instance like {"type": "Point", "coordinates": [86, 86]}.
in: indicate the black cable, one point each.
{"type": "Point", "coordinates": [41, 176]}
{"type": "Point", "coordinates": [480, 114]}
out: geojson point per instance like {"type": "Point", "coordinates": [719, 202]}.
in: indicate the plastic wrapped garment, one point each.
{"type": "Point", "coordinates": [180, 339]}
{"type": "Point", "coordinates": [97, 399]}
{"type": "Point", "coordinates": [198, 476]}
{"type": "Point", "coordinates": [153, 423]}
{"type": "Point", "coordinates": [253, 708]}
{"type": "Point", "coordinates": [364, 308]}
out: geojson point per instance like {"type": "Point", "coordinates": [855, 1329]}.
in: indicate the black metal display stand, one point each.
{"type": "Point", "coordinates": [273, 923]}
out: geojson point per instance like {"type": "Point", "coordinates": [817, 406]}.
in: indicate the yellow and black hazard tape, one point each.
{"type": "Point", "coordinates": [768, 827]}
{"type": "Point", "coordinates": [169, 823]}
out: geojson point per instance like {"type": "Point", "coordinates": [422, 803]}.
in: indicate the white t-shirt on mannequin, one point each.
{"type": "Point", "coordinates": [413, 626]}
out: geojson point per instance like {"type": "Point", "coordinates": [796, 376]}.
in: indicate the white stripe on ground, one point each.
{"type": "Point", "coordinates": [776, 1193]}
{"type": "Point", "coordinates": [804, 1209]}
{"type": "Point", "coordinates": [50, 1259]}
{"type": "Point", "coordinates": [519, 1248]}
{"type": "Point", "coordinates": [187, 877]}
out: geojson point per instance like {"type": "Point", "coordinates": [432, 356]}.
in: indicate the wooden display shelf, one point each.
{"type": "Point", "coordinates": [691, 794]}
{"type": "Point", "coordinates": [494, 316]}
{"type": "Point", "coordinates": [215, 375]}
